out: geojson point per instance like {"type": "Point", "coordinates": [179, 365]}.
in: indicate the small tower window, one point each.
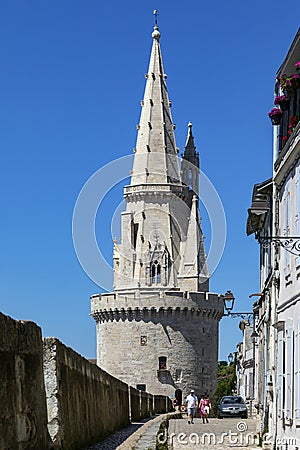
{"type": "Point", "coordinates": [162, 363]}
{"type": "Point", "coordinates": [190, 179]}
{"type": "Point", "coordinates": [141, 387]}
{"type": "Point", "coordinates": [143, 340]}
{"type": "Point", "coordinates": [156, 273]}
{"type": "Point", "coordinates": [178, 375]}
{"type": "Point", "coordinates": [134, 231]}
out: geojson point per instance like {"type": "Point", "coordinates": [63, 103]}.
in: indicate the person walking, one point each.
{"type": "Point", "coordinates": [191, 403]}
{"type": "Point", "coordinates": [205, 406]}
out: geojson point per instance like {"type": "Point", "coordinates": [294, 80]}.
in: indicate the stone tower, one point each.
{"type": "Point", "coordinates": [158, 330]}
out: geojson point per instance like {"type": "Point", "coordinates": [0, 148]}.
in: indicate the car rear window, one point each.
{"type": "Point", "coordinates": [228, 400]}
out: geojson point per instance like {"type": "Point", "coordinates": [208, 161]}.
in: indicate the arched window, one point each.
{"type": "Point", "coordinates": [156, 273]}
{"type": "Point", "coordinates": [153, 269]}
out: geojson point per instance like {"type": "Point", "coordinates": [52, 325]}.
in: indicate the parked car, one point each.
{"type": "Point", "coordinates": [232, 406]}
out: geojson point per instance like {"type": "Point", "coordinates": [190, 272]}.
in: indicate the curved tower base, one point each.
{"type": "Point", "coordinates": [159, 341]}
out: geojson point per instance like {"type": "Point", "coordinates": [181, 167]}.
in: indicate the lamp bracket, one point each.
{"type": "Point", "coordinates": [288, 243]}
{"type": "Point", "coordinates": [242, 315]}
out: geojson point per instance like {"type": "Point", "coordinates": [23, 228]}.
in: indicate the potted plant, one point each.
{"type": "Point", "coordinates": [275, 115]}
{"type": "Point", "coordinates": [282, 101]}
{"type": "Point", "coordinates": [297, 65]}
{"type": "Point", "coordinates": [295, 80]}
{"type": "Point", "coordinates": [289, 84]}
{"type": "Point", "coordinates": [285, 85]}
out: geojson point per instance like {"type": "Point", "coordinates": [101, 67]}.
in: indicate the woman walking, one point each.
{"type": "Point", "coordinates": [205, 408]}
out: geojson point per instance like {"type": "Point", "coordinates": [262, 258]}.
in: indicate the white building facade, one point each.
{"type": "Point", "coordinates": [276, 224]}
{"type": "Point", "coordinates": [286, 224]}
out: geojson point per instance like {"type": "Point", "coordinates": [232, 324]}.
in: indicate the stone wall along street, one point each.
{"type": "Point", "coordinates": [23, 414]}
{"type": "Point", "coordinates": [60, 400]}
{"type": "Point", "coordinates": [84, 403]}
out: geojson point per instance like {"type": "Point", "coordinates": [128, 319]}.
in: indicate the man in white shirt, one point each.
{"type": "Point", "coordinates": [191, 403]}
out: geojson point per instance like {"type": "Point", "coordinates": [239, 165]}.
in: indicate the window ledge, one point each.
{"type": "Point", "coordinates": [162, 371]}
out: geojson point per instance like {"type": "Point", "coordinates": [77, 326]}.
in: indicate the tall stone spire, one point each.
{"type": "Point", "coordinates": [155, 158]}
{"type": "Point", "coordinates": [153, 330]}
{"type": "Point", "coordinates": [155, 221]}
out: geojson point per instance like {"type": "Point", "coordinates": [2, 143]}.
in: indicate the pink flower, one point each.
{"type": "Point", "coordinates": [275, 112]}
{"type": "Point", "coordinates": [279, 99]}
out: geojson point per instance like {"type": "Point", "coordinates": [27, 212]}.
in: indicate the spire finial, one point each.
{"type": "Point", "coordinates": [156, 33]}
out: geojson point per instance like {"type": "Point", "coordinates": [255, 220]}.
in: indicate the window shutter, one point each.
{"type": "Point", "coordinates": [286, 223]}
{"type": "Point", "coordinates": [289, 372]}
{"type": "Point", "coordinates": [280, 374]}
{"type": "Point", "coordinates": [297, 371]}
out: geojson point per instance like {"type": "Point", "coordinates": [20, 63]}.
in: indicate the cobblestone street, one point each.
{"type": "Point", "coordinates": [217, 434]}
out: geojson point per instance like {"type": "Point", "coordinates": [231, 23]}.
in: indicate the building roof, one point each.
{"type": "Point", "coordinates": [293, 55]}
{"type": "Point", "coordinates": [259, 207]}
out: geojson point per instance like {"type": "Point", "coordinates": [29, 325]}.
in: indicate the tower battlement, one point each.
{"type": "Point", "coordinates": [109, 307]}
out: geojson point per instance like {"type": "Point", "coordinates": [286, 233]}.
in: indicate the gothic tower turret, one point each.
{"type": "Point", "coordinates": [159, 328]}
{"type": "Point", "coordinates": [190, 166]}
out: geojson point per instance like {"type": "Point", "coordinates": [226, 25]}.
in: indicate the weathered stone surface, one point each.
{"type": "Point", "coordinates": [135, 410]}
{"type": "Point", "coordinates": [144, 404]}
{"type": "Point", "coordinates": [84, 403]}
{"type": "Point", "coordinates": [136, 332]}
{"type": "Point", "coordinates": [23, 416]}
{"type": "Point", "coordinates": [160, 404]}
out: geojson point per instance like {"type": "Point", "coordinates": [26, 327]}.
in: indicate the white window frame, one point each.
{"type": "Point", "coordinates": [286, 223]}
{"type": "Point", "coordinates": [289, 364]}
{"type": "Point", "coordinates": [280, 373]}
{"type": "Point", "coordinates": [297, 371]}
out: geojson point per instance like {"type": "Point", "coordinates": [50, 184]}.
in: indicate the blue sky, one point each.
{"type": "Point", "coordinates": [72, 77]}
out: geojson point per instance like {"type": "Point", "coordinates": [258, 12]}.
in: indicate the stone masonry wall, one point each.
{"type": "Point", "coordinates": [135, 330]}
{"type": "Point", "coordinates": [144, 404]}
{"type": "Point", "coordinates": [130, 350]}
{"type": "Point", "coordinates": [135, 408]}
{"type": "Point", "coordinates": [23, 415]}
{"type": "Point", "coordinates": [84, 403]}
{"type": "Point", "coordinates": [161, 405]}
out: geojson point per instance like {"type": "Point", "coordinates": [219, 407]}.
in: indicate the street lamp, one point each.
{"type": "Point", "coordinates": [230, 358]}
{"type": "Point", "coordinates": [228, 300]}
